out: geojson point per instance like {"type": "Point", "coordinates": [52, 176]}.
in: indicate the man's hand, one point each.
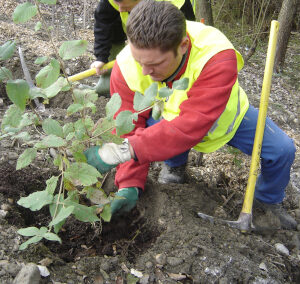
{"type": "Point", "coordinates": [108, 156]}
{"type": "Point", "coordinates": [124, 205]}
{"type": "Point", "coordinates": [98, 65]}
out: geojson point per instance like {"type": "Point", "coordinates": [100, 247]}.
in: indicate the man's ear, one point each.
{"type": "Point", "coordinates": [184, 45]}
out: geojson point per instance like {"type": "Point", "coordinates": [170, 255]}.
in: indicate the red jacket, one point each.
{"type": "Point", "coordinates": [206, 101]}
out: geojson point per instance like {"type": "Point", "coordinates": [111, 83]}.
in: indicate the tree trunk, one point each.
{"type": "Point", "coordinates": [204, 11]}
{"type": "Point", "coordinates": [286, 15]}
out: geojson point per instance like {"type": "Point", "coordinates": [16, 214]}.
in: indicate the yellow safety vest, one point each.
{"type": "Point", "coordinates": [206, 42]}
{"type": "Point", "coordinates": [124, 15]}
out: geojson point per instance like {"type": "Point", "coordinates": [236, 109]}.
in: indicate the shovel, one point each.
{"type": "Point", "coordinates": [244, 222]}
{"type": "Point", "coordinates": [90, 72]}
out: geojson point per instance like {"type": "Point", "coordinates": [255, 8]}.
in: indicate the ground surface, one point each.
{"type": "Point", "coordinates": [163, 238]}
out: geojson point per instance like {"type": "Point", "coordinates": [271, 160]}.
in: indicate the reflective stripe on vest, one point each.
{"type": "Point", "coordinates": [124, 15]}
{"type": "Point", "coordinates": [206, 42]}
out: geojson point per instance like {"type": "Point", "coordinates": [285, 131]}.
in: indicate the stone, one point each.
{"type": "Point", "coordinates": [161, 258]}
{"type": "Point", "coordinates": [281, 249]}
{"type": "Point", "coordinates": [29, 274]}
{"type": "Point", "coordinates": [174, 261]}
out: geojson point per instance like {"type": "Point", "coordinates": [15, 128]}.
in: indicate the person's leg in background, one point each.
{"type": "Point", "coordinates": [118, 42]}
{"type": "Point", "coordinates": [173, 170]}
{"type": "Point", "coordinates": [277, 156]}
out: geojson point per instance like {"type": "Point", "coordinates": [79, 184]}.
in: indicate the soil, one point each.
{"type": "Point", "coordinates": [162, 240]}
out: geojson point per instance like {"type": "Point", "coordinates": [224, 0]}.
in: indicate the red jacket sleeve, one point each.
{"type": "Point", "coordinates": [206, 101]}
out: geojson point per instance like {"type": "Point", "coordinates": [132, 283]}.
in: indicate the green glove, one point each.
{"type": "Point", "coordinates": [124, 205]}
{"type": "Point", "coordinates": [108, 156]}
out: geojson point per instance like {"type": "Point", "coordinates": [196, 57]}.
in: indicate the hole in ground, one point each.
{"type": "Point", "coordinates": [127, 236]}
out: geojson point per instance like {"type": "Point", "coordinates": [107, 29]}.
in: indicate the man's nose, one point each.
{"type": "Point", "coordinates": [147, 70]}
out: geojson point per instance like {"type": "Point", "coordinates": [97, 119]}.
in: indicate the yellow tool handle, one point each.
{"type": "Point", "coordinates": [262, 114]}
{"type": "Point", "coordinates": [90, 72]}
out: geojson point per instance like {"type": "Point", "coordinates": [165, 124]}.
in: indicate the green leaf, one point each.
{"type": "Point", "coordinates": [83, 173]}
{"type": "Point", "coordinates": [37, 93]}
{"type": "Point", "coordinates": [48, 75]}
{"type": "Point", "coordinates": [157, 110]}
{"type": "Point", "coordinates": [52, 237]}
{"type": "Point", "coordinates": [106, 213]}
{"type": "Point", "coordinates": [28, 232]}
{"type": "Point", "coordinates": [51, 126]}
{"type": "Point", "coordinates": [83, 96]}
{"type": "Point", "coordinates": [68, 128]}
{"type": "Point", "coordinates": [104, 128]}
{"type": "Point", "coordinates": [124, 122]}
{"type": "Point", "coordinates": [97, 196]}
{"type": "Point", "coordinates": [143, 101]}
{"type": "Point", "coordinates": [12, 117]}
{"type": "Point", "coordinates": [165, 92]}
{"type": "Point", "coordinates": [18, 92]}
{"type": "Point", "coordinates": [26, 158]}
{"type": "Point", "coordinates": [80, 129]}
{"type": "Point", "coordinates": [24, 12]}
{"type": "Point", "coordinates": [113, 106]}
{"type": "Point", "coordinates": [74, 108]}
{"type": "Point", "coordinates": [35, 201]}
{"type": "Point", "coordinates": [140, 102]}
{"type": "Point", "coordinates": [83, 213]}
{"type": "Point", "coordinates": [52, 208]}
{"type": "Point", "coordinates": [37, 26]}
{"type": "Point", "coordinates": [181, 84]}
{"type": "Point", "coordinates": [73, 48]}
{"type": "Point", "coordinates": [28, 119]}
{"type": "Point", "coordinates": [50, 2]}
{"type": "Point", "coordinates": [51, 184]}
{"type": "Point", "coordinates": [79, 157]}
{"type": "Point", "coordinates": [5, 74]}
{"type": "Point", "coordinates": [41, 60]}
{"type": "Point", "coordinates": [24, 136]}
{"type": "Point", "coordinates": [60, 85]}
{"type": "Point", "coordinates": [53, 141]}
{"type": "Point", "coordinates": [32, 240]}
{"type": "Point", "coordinates": [63, 214]}
{"type": "Point", "coordinates": [70, 136]}
{"type": "Point", "coordinates": [131, 279]}
{"type": "Point", "coordinates": [7, 50]}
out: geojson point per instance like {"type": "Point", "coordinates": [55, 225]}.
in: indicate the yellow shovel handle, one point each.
{"type": "Point", "coordinates": [262, 114]}
{"type": "Point", "coordinates": [90, 72]}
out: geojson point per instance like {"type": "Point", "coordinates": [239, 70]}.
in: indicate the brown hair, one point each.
{"type": "Point", "coordinates": [154, 24]}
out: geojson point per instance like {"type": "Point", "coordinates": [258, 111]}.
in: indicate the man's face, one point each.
{"type": "Point", "coordinates": [157, 64]}
{"type": "Point", "coordinates": [126, 5]}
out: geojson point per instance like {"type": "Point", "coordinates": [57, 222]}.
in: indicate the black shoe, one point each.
{"type": "Point", "coordinates": [286, 220]}
{"type": "Point", "coordinates": [172, 175]}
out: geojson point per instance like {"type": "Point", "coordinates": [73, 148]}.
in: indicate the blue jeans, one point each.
{"type": "Point", "coordinates": [277, 156]}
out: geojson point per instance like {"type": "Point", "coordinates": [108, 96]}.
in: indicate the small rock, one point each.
{"type": "Point", "coordinates": [149, 264]}
{"type": "Point", "coordinates": [282, 249]}
{"type": "Point", "coordinates": [263, 266]}
{"type": "Point", "coordinates": [136, 273]}
{"type": "Point", "coordinates": [174, 261]}
{"type": "Point", "coordinates": [297, 213]}
{"type": "Point", "coordinates": [144, 279]}
{"type": "Point", "coordinates": [43, 271]}
{"type": "Point", "coordinates": [53, 153]}
{"type": "Point", "coordinates": [29, 274]}
{"type": "Point", "coordinates": [13, 156]}
{"type": "Point", "coordinates": [3, 213]}
{"type": "Point", "coordinates": [5, 207]}
{"type": "Point", "coordinates": [1, 102]}
{"type": "Point", "coordinates": [161, 259]}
